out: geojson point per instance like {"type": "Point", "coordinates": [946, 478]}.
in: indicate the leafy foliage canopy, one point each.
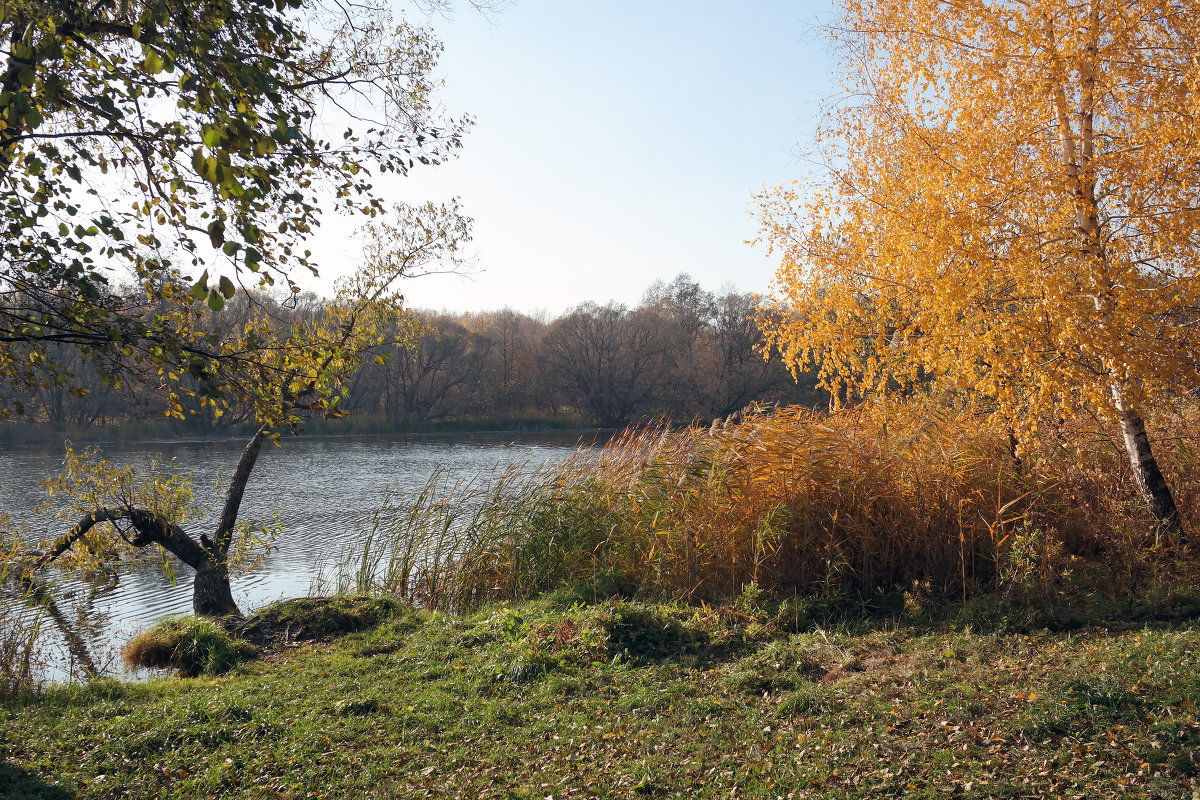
{"type": "Point", "coordinates": [155, 154]}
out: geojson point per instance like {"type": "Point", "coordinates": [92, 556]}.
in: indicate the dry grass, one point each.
{"type": "Point", "coordinates": [883, 497]}
{"type": "Point", "coordinates": [21, 617]}
{"type": "Point", "coordinates": [20, 654]}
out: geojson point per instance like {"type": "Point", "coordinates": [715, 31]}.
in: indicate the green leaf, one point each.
{"type": "Point", "coordinates": [200, 287]}
{"type": "Point", "coordinates": [227, 288]}
{"type": "Point", "coordinates": [215, 301]}
{"type": "Point", "coordinates": [152, 65]}
{"type": "Point", "coordinates": [212, 137]}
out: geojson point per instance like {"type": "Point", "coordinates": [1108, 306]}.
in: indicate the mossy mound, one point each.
{"type": "Point", "coordinates": [316, 618]}
{"type": "Point", "coordinates": [192, 645]}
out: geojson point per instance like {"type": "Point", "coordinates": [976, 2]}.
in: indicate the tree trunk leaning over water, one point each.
{"type": "Point", "coordinates": [211, 592]}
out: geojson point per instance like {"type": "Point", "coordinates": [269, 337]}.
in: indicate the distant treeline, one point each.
{"type": "Point", "coordinates": [683, 353]}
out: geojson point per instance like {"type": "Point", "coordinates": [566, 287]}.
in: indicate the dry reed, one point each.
{"type": "Point", "coordinates": [884, 496]}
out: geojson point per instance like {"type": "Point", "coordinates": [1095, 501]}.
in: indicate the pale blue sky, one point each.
{"type": "Point", "coordinates": [615, 143]}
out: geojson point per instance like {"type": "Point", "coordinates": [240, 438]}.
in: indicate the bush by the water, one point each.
{"type": "Point", "coordinates": [19, 651]}
{"type": "Point", "coordinates": [890, 497]}
{"type": "Point", "coordinates": [21, 616]}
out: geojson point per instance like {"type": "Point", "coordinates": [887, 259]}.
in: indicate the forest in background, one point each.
{"type": "Point", "coordinates": [683, 352]}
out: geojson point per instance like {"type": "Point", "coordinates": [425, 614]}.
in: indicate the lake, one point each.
{"type": "Point", "coordinates": [320, 490]}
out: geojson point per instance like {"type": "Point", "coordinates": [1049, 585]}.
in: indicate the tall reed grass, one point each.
{"type": "Point", "coordinates": [21, 619]}
{"type": "Point", "coordinates": [884, 496]}
{"type": "Point", "coordinates": [459, 542]}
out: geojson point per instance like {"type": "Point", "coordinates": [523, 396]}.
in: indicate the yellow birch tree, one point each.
{"type": "Point", "coordinates": [1012, 209]}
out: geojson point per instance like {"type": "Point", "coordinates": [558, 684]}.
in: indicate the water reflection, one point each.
{"type": "Point", "coordinates": [319, 490]}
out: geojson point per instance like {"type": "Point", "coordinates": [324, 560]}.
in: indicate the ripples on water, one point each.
{"type": "Point", "coordinates": [320, 490]}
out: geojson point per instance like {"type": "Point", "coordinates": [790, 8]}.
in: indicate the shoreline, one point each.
{"type": "Point", "coordinates": [35, 434]}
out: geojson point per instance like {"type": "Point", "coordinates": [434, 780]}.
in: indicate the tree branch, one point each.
{"type": "Point", "coordinates": [75, 534]}
{"type": "Point", "coordinates": [151, 528]}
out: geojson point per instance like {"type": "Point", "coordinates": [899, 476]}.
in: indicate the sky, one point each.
{"type": "Point", "coordinates": [615, 143]}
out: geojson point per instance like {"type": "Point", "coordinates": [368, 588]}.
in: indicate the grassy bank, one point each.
{"type": "Point", "coordinates": [620, 699]}
{"type": "Point", "coordinates": [965, 619]}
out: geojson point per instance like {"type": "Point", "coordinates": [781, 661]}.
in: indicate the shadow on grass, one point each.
{"type": "Point", "coordinates": [19, 784]}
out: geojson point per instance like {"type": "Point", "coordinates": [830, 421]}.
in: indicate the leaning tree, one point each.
{"type": "Point", "coordinates": [159, 158]}
{"type": "Point", "coordinates": [282, 370]}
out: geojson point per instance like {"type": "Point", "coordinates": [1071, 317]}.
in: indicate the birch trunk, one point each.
{"type": "Point", "coordinates": [1079, 164]}
{"type": "Point", "coordinates": [1151, 483]}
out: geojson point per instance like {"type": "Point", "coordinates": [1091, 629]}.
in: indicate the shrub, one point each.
{"type": "Point", "coordinates": [19, 652]}
{"type": "Point", "coordinates": [21, 616]}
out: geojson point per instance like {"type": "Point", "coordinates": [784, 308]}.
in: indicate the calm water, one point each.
{"type": "Point", "coordinates": [321, 491]}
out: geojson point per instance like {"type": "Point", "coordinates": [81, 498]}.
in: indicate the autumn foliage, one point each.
{"type": "Point", "coordinates": [1009, 211]}
{"type": "Point", "coordinates": [884, 496]}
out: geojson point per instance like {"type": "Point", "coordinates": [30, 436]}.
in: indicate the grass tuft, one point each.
{"type": "Point", "coordinates": [192, 645]}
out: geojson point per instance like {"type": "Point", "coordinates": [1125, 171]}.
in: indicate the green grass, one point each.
{"type": "Point", "coordinates": [624, 699]}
